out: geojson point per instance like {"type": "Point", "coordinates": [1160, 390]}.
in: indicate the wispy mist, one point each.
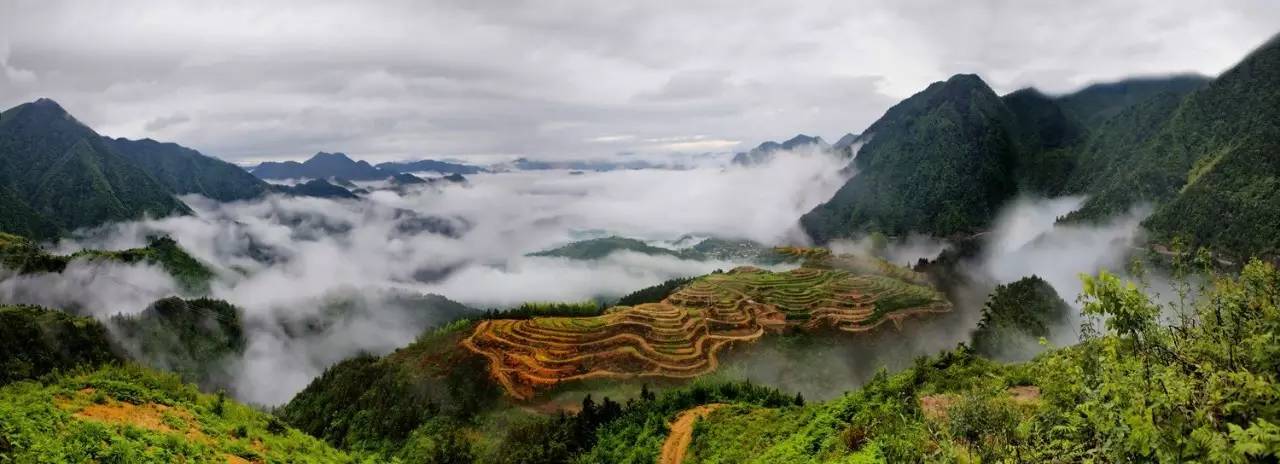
{"type": "Point", "coordinates": [1024, 240]}
{"type": "Point", "coordinates": [289, 261]}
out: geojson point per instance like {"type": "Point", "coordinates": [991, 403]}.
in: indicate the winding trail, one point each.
{"type": "Point", "coordinates": [677, 443]}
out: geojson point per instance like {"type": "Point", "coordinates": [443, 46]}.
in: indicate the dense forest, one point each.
{"type": "Point", "coordinates": [940, 162]}
{"type": "Point", "coordinates": [56, 175]}
{"type": "Point", "coordinates": [1201, 150]}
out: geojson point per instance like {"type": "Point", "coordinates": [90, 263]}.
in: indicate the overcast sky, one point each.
{"type": "Point", "coordinates": [475, 79]}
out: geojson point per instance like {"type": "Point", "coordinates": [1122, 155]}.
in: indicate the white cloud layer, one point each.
{"type": "Point", "coordinates": [288, 259]}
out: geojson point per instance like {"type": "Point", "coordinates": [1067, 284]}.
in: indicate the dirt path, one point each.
{"type": "Point", "coordinates": [682, 433]}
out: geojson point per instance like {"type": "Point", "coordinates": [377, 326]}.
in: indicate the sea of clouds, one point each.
{"type": "Point", "coordinates": [290, 258]}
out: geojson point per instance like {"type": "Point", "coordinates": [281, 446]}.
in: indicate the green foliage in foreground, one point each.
{"type": "Point", "coordinates": [375, 404]}
{"type": "Point", "coordinates": [26, 257]}
{"type": "Point", "coordinates": [35, 341]}
{"type": "Point", "coordinates": [637, 435]}
{"type": "Point", "coordinates": [130, 414]}
{"type": "Point", "coordinates": [1017, 314]}
{"type": "Point", "coordinates": [1203, 389]}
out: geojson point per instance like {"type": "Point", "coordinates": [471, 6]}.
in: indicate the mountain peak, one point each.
{"type": "Point", "coordinates": [44, 107]}
{"type": "Point", "coordinates": [335, 156]}
{"type": "Point", "coordinates": [47, 103]}
{"type": "Point", "coordinates": [966, 79]}
{"type": "Point", "coordinates": [846, 141]}
{"type": "Point", "coordinates": [801, 139]}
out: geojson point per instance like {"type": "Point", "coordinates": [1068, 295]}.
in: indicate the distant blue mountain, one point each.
{"type": "Point", "coordinates": [321, 166]}
{"type": "Point", "coordinates": [443, 167]}
{"type": "Point", "coordinates": [765, 151]}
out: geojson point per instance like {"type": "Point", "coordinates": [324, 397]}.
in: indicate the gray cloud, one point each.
{"type": "Point", "coordinates": [164, 122]}
{"type": "Point", "coordinates": [443, 78]}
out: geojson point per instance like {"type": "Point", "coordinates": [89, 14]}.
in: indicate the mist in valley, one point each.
{"type": "Point", "coordinates": [1025, 240]}
{"type": "Point", "coordinates": [321, 280]}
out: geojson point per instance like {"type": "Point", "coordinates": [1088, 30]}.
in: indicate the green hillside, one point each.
{"type": "Point", "coordinates": [941, 161]}
{"type": "Point", "coordinates": [35, 341]}
{"type": "Point", "coordinates": [376, 404]}
{"type": "Point", "coordinates": [1235, 111]}
{"type": "Point", "coordinates": [1217, 164]}
{"type": "Point", "coordinates": [131, 414]}
{"type": "Point", "coordinates": [56, 174]}
{"type": "Point", "coordinates": [1098, 103]}
{"type": "Point", "coordinates": [1202, 151]}
{"type": "Point", "coordinates": [1016, 315]}
{"type": "Point", "coordinates": [26, 257]}
{"type": "Point", "coordinates": [183, 170]}
{"type": "Point", "coordinates": [192, 338]}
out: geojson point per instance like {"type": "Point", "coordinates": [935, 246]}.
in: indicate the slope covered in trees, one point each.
{"type": "Point", "coordinates": [35, 341]}
{"type": "Point", "coordinates": [941, 162]}
{"type": "Point", "coordinates": [192, 338]}
{"type": "Point", "coordinates": [186, 171]}
{"type": "Point", "coordinates": [1203, 151]}
{"type": "Point", "coordinates": [1216, 164]}
{"type": "Point", "coordinates": [135, 415]}
{"type": "Point", "coordinates": [25, 256]}
{"type": "Point", "coordinates": [1098, 103]}
{"type": "Point", "coordinates": [1016, 315]}
{"type": "Point", "coordinates": [57, 174]}
{"type": "Point", "coordinates": [377, 404]}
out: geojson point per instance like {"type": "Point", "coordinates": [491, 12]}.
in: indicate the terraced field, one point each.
{"type": "Point", "coordinates": [680, 336]}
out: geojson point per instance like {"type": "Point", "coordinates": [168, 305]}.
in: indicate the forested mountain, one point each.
{"type": "Point", "coordinates": [318, 188]}
{"type": "Point", "coordinates": [1203, 151]}
{"type": "Point", "coordinates": [941, 161]}
{"type": "Point", "coordinates": [1214, 167]}
{"type": "Point", "coordinates": [443, 167]}
{"type": "Point", "coordinates": [1097, 103]}
{"type": "Point", "coordinates": [57, 174]}
{"type": "Point", "coordinates": [845, 142]}
{"type": "Point", "coordinates": [321, 166]}
{"type": "Point", "coordinates": [195, 339]}
{"type": "Point", "coordinates": [183, 170]}
{"type": "Point", "coordinates": [763, 152]}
